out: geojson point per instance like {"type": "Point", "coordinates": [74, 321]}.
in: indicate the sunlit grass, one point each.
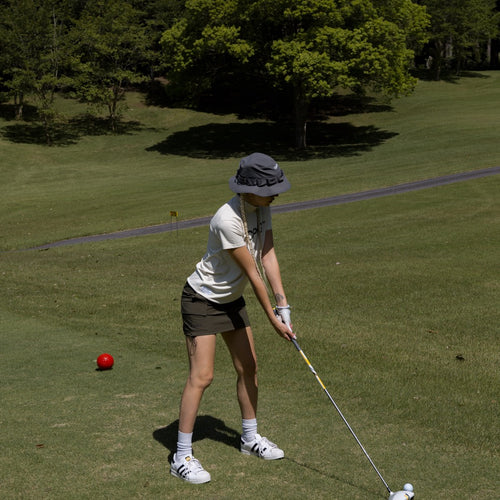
{"type": "Point", "coordinates": [395, 302]}
{"type": "Point", "coordinates": [104, 182]}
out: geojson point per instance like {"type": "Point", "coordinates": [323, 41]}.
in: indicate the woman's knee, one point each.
{"type": "Point", "coordinates": [201, 352]}
{"type": "Point", "coordinates": [201, 380]}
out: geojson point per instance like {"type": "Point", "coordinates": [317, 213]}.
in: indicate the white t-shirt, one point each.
{"type": "Point", "coordinates": [217, 276]}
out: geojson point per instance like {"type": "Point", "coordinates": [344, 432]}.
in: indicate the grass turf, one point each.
{"type": "Point", "coordinates": [395, 305]}
{"type": "Point", "coordinates": [99, 183]}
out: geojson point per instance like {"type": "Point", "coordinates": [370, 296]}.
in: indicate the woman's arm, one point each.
{"type": "Point", "coordinates": [272, 269]}
{"type": "Point", "coordinates": [243, 258]}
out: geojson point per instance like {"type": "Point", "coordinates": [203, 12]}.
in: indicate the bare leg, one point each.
{"type": "Point", "coordinates": [241, 346]}
{"type": "Point", "coordinates": [201, 353]}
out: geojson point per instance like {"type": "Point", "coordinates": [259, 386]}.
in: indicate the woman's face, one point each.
{"type": "Point", "coordinates": [259, 201]}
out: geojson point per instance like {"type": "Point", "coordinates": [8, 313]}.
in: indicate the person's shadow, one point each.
{"type": "Point", "coordinates": [206, 427]}
{"type": "Point", "coordinates": [214, 428]}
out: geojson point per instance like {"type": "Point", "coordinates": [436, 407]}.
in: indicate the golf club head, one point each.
{"type": "Point", "coordinates": [401, 495]}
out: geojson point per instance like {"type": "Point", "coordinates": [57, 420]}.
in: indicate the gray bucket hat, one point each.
{"type": "Point", "coordinates": [259, 174]}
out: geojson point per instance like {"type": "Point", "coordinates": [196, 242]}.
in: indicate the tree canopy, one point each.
{"type": "Point", "coordinates": [110, 43]}
{"type": "Point", "coordinates": [34, 52]}
{"type": "Point", "coordinates": [458, 27]}
{"type": "Point", "coordinates": [311, 47]}
{"type": "Point", "coordinates": [300, 51]}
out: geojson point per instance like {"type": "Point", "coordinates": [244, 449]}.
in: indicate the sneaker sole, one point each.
{"type": "Point", "coordinates": [246, 452]}
{"type": "Point", "coordinates": [196, 481]}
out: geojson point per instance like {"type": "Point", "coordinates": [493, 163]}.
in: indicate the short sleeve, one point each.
{"type": "Point", "coordinates": [230, 233]}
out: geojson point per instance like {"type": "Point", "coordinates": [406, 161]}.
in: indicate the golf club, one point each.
{"type": "Point", "coordinates": [407, 492]}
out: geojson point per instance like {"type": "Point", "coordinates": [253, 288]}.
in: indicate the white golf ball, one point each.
{"type": "Point", "coordinates": [408, 487]}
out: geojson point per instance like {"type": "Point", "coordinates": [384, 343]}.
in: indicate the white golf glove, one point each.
{"type": "Point", "coordinates": [283, 313]}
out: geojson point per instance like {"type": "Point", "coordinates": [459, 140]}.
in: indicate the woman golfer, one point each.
{"type": "Point", "coordinates": [240, 249]}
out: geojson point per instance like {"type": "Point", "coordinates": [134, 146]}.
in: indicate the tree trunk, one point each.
{"type": "Point", "coordinates": [19, 105]}
{"type": "Point", "coordinates": [112, 115]}
{"type": "Point", "coordinates": [301, 106]}
{"type": "Point", "coordinates": [438, 59]}
{"type": "Point", "coordinates": [300, 133]}
{"type": "Point", "coordinates": [494, 50]}
{"type": "Point", "coordinates": [47, 125]}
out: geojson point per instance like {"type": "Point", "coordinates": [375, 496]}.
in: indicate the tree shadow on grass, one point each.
{"type": "Point", "coordinates": [8, 112]}
{"type": "Point", "coordinates": [325, 140]}
{"type": "Point", "coordinates": [349, 104]}
{"type": "Point", "coordinates": [66, 133]}
{"type": "Point", "coordinates": [251, 99]}
{"type": "Point", "coordinates": [447, 75]}
{"type": "Point", "coordinates": [267, 123]}
{"type": "Point", "coordinates": [207, 427]}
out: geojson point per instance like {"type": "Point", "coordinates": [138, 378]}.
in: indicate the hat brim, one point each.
{"type": "Point", "coordinates": [273, 190]}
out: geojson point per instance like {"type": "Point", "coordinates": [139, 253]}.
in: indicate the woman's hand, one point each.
{"type": "Point", "coordinates": [283, 329]}
{"type": "Point", "coordinates": [284, 312]}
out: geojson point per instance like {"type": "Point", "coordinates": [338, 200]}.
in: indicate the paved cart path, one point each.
{"type": "Point", "coordinates": [289, 207]}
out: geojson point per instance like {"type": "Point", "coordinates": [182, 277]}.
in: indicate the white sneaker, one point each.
{"type": "Point", "coordinates": [261, 447]}
{"type": "Point", "coordinates": [189, 469]}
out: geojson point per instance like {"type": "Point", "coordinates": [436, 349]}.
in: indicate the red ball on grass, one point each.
{"type": "Point", "coordinates": [105, 361]}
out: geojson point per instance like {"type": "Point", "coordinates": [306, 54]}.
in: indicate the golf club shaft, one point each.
{"type": "Point", "coordinates": [295, 343]}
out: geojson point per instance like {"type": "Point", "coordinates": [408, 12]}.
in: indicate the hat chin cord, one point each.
{"type": "Point", "coordinates": [255, 253]}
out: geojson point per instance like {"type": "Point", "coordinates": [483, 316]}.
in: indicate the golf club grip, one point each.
{"type": "Point", "coordinates": [295, 343]}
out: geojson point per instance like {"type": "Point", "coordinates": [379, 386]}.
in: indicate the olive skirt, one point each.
{"type": "Point", "coordinates": [201, 316]}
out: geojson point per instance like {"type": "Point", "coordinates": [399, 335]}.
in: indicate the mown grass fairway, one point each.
{"type": "Point", "coordinates": [395, 302]}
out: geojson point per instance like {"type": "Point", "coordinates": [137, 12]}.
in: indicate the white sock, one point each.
{"type": "Point", "coordinates": [249, 426]}
{"type": "Point", "coordinates": [184, 445]}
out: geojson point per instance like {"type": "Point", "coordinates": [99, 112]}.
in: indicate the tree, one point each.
{"type": "Point", "coordinates": [204, 42]}
{"type": "Point", "coordinates": [110, 45]}
{"type": "Point", "coordinates": [159, 15]}
{"type": "Point", "coordinates": [34, 53]}
{"type": "Point", "coordinates": [353, 45]}
{"type": "Point", "coordinates": [458, 28]}
{"type": "Point", "coordinates": [311, 47]}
